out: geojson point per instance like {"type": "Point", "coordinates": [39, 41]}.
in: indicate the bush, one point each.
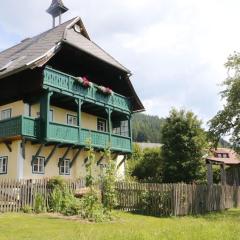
{"type": "Point", "coordinates": [39, 205]}
{"type": "Point", "coordinates": [92, 209]}
{"type": "Point", "coordinates": [56, 182]}
{"type": "Point", "coordinates": [56, 198]}
{"type": "Point", "coordinates": [27, 209]}
{"type": "Point", "coordinates": [109, 180]}
{"type": "Point", "coordinates": [70, 204]}
{"type": "Point", "coordinates": [152, 202]}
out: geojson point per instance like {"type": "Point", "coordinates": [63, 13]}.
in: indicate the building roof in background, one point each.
{"type": "Point", "coordinates": [35, 51]}
{"type": "Point", "coordinates": [223, 156]}
{"type": "Point", "coordinates": [144, 145]}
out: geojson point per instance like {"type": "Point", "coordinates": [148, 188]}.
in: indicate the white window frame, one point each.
{"type": "Point", "coordinates": [51, 117]}
{"type": "Point", "coordinates": [7, 112]}
{"type": "Point", "coordinates": [38, 164]}
{"type": "Point", "coordinates": [103, 127]}
{"type": "Point", "coordinates": [3, 165]}
{"type": "Point", "coordinates": [72, 120]}
{"type": "Point", "coordinates": [64, 167]}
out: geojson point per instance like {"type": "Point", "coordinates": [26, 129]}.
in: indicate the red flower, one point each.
{"type": "Point", "coordinates": [86, 82]}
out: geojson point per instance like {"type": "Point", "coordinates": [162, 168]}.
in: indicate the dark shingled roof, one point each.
{"type": "Point", "coordinates": [34, 51]}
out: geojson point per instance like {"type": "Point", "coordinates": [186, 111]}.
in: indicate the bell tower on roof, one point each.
{"type": "Point", "coordinates": [56, 9]}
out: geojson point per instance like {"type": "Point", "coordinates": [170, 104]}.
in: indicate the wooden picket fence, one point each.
{"type": "Point", "coordinates": [17, 194]}
{"type": "Point", "coordinates": [148, 198]}
{"type": "Point", "coordinates": [176, 199]}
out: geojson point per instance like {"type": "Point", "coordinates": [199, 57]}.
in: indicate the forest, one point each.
{"type": "Point", "coordinates": [147, 128]}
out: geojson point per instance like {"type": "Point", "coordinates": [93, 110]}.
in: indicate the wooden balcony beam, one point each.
{"type": "Point", "coordinates": [65, 155]}
{"type": "Point", "coordinates": [100, 160]}
{"type": "Point", "coordinates": [75, 157]}
{"type": "Point", "coordinates": [37, 153]}
{"type": "Point", "coordinates": [121, 163]}
{"type": "Point", "coordinates": [51, 154]}
{"type": "Point", "coordinates": [8, 145]}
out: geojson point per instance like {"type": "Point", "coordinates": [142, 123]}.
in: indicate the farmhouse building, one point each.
{"type": "Point", "coordinates": [60, 92]}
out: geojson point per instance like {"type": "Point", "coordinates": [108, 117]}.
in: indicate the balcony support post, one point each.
{"type": "Point", "coordinates": [109, 112]}
{"type": "Point", "coordinates": [44, 114]}
{"type": "Point", "coordinates": [129, 117]}
{"type": "Point", "coordinates": [79, 115]}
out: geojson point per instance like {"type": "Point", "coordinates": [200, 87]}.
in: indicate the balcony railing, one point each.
{"type": "Point", "coordinates": [59, 81]}
{"type": "Point", "coordinates": [30, 128]}
{"type": "Point", "coordinates": [63, 133]}
{"type": "Point", "coordinates": [19, 126]}
{"type": "Point", "coordinates": [70, 134]}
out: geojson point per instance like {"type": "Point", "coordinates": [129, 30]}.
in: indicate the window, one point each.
{"type": "Point", "coordinates": [101, 125]}
{"type": "Point", "coordinates": [225, 155]}
{"type": "Point", "coordinates": [124, 129]}
{"type": "Point", "coordinates": [6, 114]}
{"type": "Point", "coordinates": [121, 128]}
{"type": "Point", "coordinates": [64, 167]}
{"type": "Point", "coordinates": [38, 165]}
{"type": "Point", "coordinates": [72, 120]}
{"type": "Point", "coordinates": [51, 115]}
{"type": "Point", "coordinates": [3, 165]}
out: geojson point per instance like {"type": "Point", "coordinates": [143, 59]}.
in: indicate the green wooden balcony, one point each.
{"type": "Point", "coordinates": [74, 135]}
{"type": "Point", "coordinates": [61, 82]}
{"type": "Point", "coordinates": [30, 128]}
{"type": "Point", "coordinates": [19, 126]}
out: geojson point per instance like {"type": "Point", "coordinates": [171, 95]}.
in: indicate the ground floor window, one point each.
{"type": "Point", "coordinates": [3, 165]}
{"type": "Point", "coordinates": [38, 165]}
{"type": "Point", "coordinates": [64, 167]}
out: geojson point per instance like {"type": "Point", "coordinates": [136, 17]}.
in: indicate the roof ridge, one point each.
{"type": "Point", "coordinates": [36, 36]}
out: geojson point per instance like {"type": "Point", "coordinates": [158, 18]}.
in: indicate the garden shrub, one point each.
{"type": "Point", "coordinates": [154, 203]}
{"type": "Point", "coordinates": [70, 205]}
{"type": "Point", "coordinates": [39, 204]}
{"type": "Point", "coordinates": [56, 182]}
{"type": "Point", "coordinates": [27, 209]}
{"type": "Point", "coordinates": [108, 184]}
{"type": "Point", "coordinates": [56, 198]}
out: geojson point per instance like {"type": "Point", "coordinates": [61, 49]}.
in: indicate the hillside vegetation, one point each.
{"type": "Point", "coordinates": [147, 128]}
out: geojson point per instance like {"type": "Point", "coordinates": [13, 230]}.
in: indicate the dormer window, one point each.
{"type": "Point", "coordinates": [222, 155]}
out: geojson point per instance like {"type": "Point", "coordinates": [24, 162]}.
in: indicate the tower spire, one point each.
{"type": "Point", "coordinates": [56, 9]}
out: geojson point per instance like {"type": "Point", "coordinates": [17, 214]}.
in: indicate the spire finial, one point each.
{"type": "Point", "coordinates": [56, 9]}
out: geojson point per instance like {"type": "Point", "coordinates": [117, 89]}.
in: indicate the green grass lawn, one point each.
{"type": "Point", "coordinates": [127, 226]}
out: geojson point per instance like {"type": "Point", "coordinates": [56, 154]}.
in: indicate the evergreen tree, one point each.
{"type": "Point", "coordinates": [147, 128]}
{"type": "Point", "coordinates": [184, 142]}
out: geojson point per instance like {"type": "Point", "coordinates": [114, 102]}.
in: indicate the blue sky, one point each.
{"type": "Point", "coordinates": [176, 49]}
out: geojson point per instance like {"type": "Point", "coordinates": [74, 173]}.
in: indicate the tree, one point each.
{"type": "Point", "coordinates": [184, 141]}
{"type": "Point", "coordinates": [227, 121]}
{"type": "Point", "coordinates": [147, 128]}
{"type": "Point", "coordinates": [150, 167]}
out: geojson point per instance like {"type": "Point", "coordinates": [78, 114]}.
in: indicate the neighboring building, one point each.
{"type": "Point", "coordinates": [222, 157]}
{"type": "Point", "coordinates": [52, 103]}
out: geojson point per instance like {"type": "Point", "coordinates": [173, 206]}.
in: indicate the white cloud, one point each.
{"type": "Point", "coordinates": [176, 49]}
